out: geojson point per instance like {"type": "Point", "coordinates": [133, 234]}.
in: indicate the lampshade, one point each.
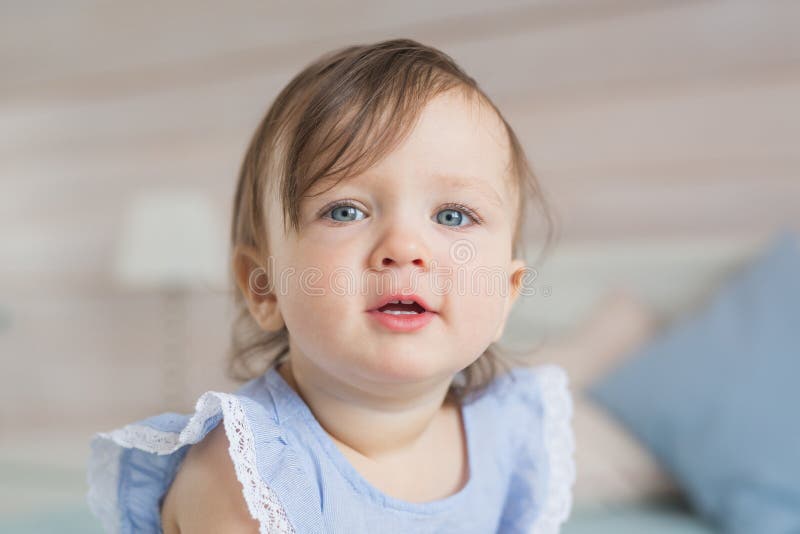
{"type": "Point", "coordinates": [171, 239]}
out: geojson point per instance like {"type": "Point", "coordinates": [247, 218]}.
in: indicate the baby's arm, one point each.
{"type": "Point", "coordinates": [206, 496]}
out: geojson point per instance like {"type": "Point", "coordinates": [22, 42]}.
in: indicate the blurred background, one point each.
{"type": "Point", "coordinates": [665, 134]}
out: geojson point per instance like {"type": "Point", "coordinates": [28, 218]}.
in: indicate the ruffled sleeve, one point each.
{"type": "Point", "coordinates": [539, 497]}
{"type": "Point", "coordinates": [131, 468]}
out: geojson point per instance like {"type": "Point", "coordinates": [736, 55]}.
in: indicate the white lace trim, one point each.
{"type": "Point", "coordinates": [262, 502]}
{"type": "Point", "coordinates": [559, 442]}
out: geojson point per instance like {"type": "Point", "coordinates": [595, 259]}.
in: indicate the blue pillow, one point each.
{"type": "Point", "coordinates": [716, 397]}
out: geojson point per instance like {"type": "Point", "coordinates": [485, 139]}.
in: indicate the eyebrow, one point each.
{"type": "Point", "coordinates": [474, 184]}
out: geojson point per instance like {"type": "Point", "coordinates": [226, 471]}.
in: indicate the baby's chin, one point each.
{"type": "Point", "coordinates": [396, 366]}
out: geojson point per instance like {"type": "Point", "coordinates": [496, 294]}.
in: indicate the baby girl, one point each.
{"type": "Point", "coordinates": [377, 252]}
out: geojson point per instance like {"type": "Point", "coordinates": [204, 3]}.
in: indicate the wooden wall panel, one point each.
{"type": "Point", "coordinates": [653, 126]}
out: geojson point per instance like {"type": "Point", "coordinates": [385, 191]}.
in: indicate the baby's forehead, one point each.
{"type": "Point", "coordinates": [429, 157]}
{"type": "Point", "coordinates": [454, 143]}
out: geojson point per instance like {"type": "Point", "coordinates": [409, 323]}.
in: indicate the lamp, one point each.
{"type": "Point", "coordinates": [171, 243]}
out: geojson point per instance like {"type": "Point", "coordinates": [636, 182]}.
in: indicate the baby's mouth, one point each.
{"type": "Point", "coordinates": [402, 313]}
{"type": "Point", "coordinates": [405, 307]}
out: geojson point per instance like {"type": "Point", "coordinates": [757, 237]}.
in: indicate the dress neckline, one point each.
{"type": "Point", "coordinates": [351, 474]}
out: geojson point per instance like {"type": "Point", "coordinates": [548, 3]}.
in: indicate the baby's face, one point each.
{"type": "Point", "coordinates": [394, 229]}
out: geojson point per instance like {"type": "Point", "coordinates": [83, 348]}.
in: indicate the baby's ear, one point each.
{"type": "Point", "coordinates": [255, 282]}
{"type": "Point", "coordinates": [516, 278]}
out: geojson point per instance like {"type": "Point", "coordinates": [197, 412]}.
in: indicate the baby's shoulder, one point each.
{"type": "Point", "coordinates": [206, 495]}
{"type": "Point", "coordinates": [172, 470]}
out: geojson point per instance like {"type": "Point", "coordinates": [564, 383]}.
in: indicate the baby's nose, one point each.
{"type": "Point", "coordinates": [399, 248]}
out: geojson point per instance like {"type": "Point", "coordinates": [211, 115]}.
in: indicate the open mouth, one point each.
{"type": "Point", "coordinates": [402, 307]}
{"type": "Point", "coordinates": [403, 313]}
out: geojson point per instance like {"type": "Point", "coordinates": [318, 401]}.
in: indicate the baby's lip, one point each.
{"type": "Point", "coordinates": [382, 301]}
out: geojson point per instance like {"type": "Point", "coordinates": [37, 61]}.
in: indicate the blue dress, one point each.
{"type": "Point", "coordinates": [520, 448]}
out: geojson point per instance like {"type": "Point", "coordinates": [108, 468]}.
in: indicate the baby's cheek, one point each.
{"type": "Point", "coordinates": [322, 328]}
{"type": "Point", "coordinates": [476, 314]}
{"type": "Point", "coordinates": [324, 290]}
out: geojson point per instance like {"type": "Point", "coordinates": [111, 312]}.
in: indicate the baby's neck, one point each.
{"type": "Point", "coordinates": [373, 428]}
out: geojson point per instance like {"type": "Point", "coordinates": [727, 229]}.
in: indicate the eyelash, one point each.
{"type": "Point", "coordinates": [473, 213]}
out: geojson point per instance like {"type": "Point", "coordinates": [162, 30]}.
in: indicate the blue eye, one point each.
{"type": "Point", "coordinates": [348, 213]}
{"type": "Point", "coordinates": [455, 215]}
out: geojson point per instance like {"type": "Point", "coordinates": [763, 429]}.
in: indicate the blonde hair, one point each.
{"type": "Point", "coordinates": [336, 118]}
